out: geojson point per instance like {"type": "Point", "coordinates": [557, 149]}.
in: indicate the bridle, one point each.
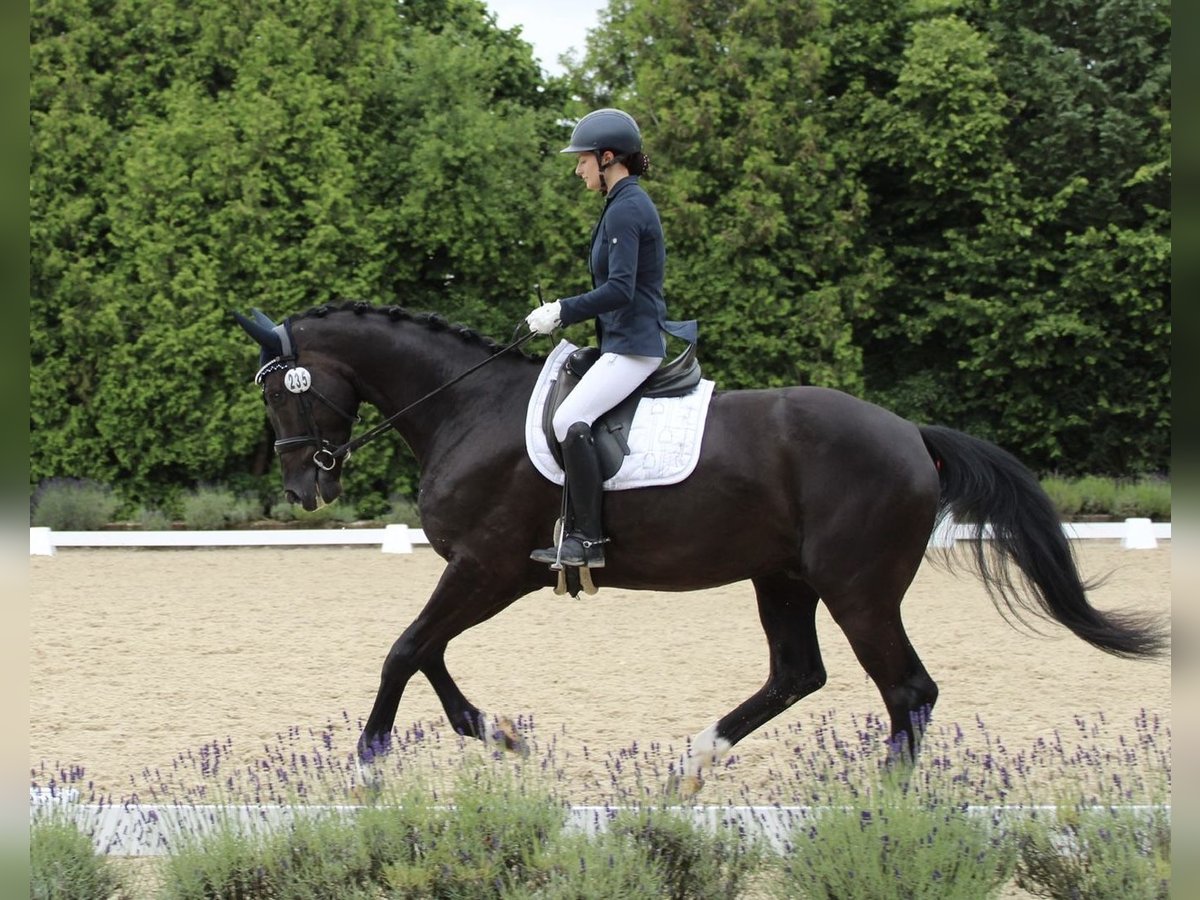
{"type": "Point", "coordinates": [298, 380]}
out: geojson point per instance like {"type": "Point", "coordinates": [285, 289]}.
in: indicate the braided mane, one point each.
{"type": "Point", "coordinates": [430, 320]}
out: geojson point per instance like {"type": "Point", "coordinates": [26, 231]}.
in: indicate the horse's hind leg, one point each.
{"type": "Point", "coordinates": [787, 609]}
{"type": "Point", "coordinates": [872, 624]}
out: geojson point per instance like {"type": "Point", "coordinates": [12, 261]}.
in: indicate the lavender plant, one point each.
{"type": "Point", "coordinates": [63, 865]}
{"type": "Point", "coordinates": [897, 844]}
{"type": "Point", "coordinates": [442, 816]}
{"type": "Point", "coordinates": [211, 508]}
{"type": "Point", "coordinates": [1114, 853]}
{"type": "Point", "coordinates": [692, 862]}
{"type": "Point", "coordinates": [72, 504]}
{"type": "Point", "coordinates": [1110, 835]}
{"type": "Point", "coordinates": [221, 862]}
{"type": "Point", "coordinates": [491, 835]}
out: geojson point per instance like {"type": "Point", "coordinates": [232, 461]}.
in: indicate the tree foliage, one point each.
{"type": "Point", "coordinates": [760, 219]}
{"type": "Point", "coordinates": [1018, 165]}
{"type": "Point", "coordinates": [190, 159]}
{"type": "Point", "coordinates": [958, 208]}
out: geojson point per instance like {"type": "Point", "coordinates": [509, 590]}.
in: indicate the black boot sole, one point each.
{"type": "Point", "coordinates": [550, 556]}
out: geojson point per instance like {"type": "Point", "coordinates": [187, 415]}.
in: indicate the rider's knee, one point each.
{"type": "Point", "coordinates": [579, 431]}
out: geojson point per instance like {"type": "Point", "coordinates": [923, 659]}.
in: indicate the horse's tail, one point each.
{"type": "Point", "coordinates": [987, 486]}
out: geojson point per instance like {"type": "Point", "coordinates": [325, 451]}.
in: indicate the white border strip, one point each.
{"type": "Point", "coordinates": [1115, 531]}
{"type": "Point", "coordinates": [1135, 534]}
{"type": "Point", "coordinates": [393, 538]}
{"type": "Point", "coordinates": [151, 830]}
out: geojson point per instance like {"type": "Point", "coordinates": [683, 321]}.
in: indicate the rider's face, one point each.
{"type": "Point", "coordinates": [587, 168]}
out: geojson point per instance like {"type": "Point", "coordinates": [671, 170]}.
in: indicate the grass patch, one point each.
{"type": "Point", "coordinates": [1063, 494]}
{"type": "Point", "coordinates": [1096, 495]}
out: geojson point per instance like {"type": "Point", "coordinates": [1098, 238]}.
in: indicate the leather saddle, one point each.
{"type": "Point", "coordinates": [674, 379]}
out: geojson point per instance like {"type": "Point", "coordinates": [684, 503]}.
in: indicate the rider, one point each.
{"type": "Point", "coordinates": [627, 262]}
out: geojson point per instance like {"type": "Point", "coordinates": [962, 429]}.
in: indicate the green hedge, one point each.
{"type": "Point", "coordinates": [73, 505]}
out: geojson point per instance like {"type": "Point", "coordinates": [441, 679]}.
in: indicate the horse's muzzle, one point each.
{"type": "Point", "coordinates": [329, 485]}
{"type": "Point", "coordinates": [315, 488]}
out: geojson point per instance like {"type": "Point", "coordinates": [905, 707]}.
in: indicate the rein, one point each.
{"type": "Point", "coordinates": [325, 458]}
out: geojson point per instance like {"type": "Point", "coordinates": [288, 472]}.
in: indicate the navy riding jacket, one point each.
{"type": "Point", "coordinates": [627, 263]}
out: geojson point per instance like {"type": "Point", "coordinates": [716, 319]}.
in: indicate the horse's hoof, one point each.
{"type": "Point", "coordinates": [504, 734]}
{"type": "Point", "coordinates": [367, 788]}
{"type": "Point", "coordinates": [684, 787]}
{"type": "Point", "coordinates": [364, 794]}
{"type": "Point", "coordinates": [366, 779]}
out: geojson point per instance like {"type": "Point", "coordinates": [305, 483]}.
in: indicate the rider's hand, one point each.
{"type": "Point", "coordinates": [544, 319]}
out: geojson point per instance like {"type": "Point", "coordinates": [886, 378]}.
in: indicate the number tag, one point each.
{"type": "Point", "coordinates": [297, 380]}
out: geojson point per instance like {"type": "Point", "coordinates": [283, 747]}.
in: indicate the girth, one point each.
{"type": "Point", "coordinates": [674, 379]}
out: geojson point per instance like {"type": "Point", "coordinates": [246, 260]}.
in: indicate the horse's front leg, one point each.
{"type": "Point", "coordinates": [464, 597]}
{"type": "Point", "coordinates": [464, 717]}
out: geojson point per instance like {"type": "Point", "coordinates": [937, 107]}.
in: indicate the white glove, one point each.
{"type": "Point", "coordinates": [544, 319]}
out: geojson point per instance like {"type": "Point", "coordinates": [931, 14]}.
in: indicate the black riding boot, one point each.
{"type": "Point", "coordinates": [583, 544]}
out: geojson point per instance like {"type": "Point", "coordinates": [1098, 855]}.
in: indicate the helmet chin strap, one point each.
{"type": "Point", "coordinates": [602, 166]}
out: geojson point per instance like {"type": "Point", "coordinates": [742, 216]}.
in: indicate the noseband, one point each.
{"type": "Point", "coordinates": [298, 381]}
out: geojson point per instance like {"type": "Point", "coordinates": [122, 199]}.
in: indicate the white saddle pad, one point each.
{"type": "Point", "coordinates": [664, 439]}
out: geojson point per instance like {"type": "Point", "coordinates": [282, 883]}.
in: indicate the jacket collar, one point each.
{"type": "Point", "coordinates": [628, 179]}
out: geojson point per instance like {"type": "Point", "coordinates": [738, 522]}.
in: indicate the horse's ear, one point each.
{"type": "Point", "coordinates": [265, 334]}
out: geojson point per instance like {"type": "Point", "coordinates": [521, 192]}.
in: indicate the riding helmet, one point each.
{"type": "Point", "coordinates": [606, 129]}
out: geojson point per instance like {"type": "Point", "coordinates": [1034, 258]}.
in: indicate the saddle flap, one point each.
{"type": "Point", "coordinates": [610, 449]}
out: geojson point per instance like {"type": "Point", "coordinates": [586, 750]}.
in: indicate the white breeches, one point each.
{"type": "Point", "coordinates": [610, 380]}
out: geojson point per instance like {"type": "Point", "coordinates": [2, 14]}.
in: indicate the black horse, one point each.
{"type": "Point", "coordinates": [812, 494]}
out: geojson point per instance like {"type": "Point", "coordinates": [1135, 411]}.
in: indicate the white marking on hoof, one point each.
{"type": "Point", "coordinates": [683, 788]}
{"type": "Point", "coordinates": [365, 784]}
{"type": "Point", "coordinates": [707, 749]}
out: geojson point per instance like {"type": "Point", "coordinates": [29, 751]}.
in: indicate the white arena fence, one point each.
{"type": "Point", "coordinates": [392, 538]}
{"type": "Point", "coordinates": [1134, 534]}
